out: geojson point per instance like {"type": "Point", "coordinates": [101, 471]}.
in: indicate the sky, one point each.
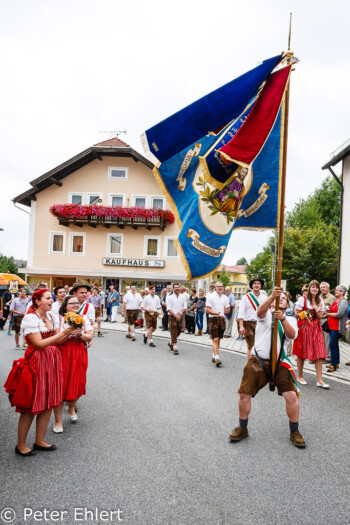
{"type": "Point", "coordinates": [72, 69]}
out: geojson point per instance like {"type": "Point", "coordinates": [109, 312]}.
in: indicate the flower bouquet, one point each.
{"type": "Point", "coordinates": [305, 315]}
{"type": "Point", "coordinates": [74, 320]}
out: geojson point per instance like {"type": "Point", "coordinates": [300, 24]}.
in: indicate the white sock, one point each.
{"type": "Point", "coordinates": [217, 357]}
{"type": "Point", "coordinates": [214, 356]}
{"type": "Point", "coordinates": [150, 340]}
{"type": "Point", "coordinates": [174, 347]}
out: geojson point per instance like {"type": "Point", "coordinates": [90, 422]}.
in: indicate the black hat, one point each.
{"type": "Point", "coordinates": [256, 279]}
{"type": "Point", "coordinates": [80, 284]}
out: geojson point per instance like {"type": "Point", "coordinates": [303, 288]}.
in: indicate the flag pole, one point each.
{"type": "Point", "coordinates": [285, 109]}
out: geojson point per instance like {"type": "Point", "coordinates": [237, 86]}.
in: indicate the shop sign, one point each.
{"type": "Point", "coordinates": [144, 263]}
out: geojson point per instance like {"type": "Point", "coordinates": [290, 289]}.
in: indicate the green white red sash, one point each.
{"type": "Point", "coordinates": [253, 300]}
{"type": "Point", "coordinates": [284, 359]}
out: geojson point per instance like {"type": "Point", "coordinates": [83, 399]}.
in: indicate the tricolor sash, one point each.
{"type": "Point", "coordinates": [284, 359]}
{"type": "Point", "coordinates": [253, 300]}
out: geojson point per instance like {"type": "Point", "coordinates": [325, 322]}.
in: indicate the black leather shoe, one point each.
{"type": "Point", "coordinates": [152, 345]}
{"type": "Point", "coordinates": [44, 449]}
{"type": "Point", "coordinates": [30, 453]}
{"type": "Point", "coordinates": [145, 339]}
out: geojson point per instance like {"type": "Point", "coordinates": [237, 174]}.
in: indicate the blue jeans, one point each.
{"type": "Point", "coordinates": [199, 320]}
{"type": "Point", "coordinates": [334, 347]}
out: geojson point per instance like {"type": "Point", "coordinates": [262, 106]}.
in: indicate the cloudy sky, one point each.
{"type": "Point", "coordinates": [74, 68]}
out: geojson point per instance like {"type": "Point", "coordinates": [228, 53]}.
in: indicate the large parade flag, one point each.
{"type": "Point", "coordinates": [219, 163]}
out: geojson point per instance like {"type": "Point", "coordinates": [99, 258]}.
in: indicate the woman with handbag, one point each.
{"type": "Point", "coordinates": [337, 324]}
{"type": "Point", "coordinates": [74, 362]}
{"type": "Point", "coordinates": [309, 344]}
{"type": "Point", "coordinates": [40, 328]}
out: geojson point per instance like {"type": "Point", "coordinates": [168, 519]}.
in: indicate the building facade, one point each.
{"type": "Point", "coordinates": [238, 279]}
{"type": "Point", "coordinates": [68, 241]}
{"type": "Point", "coordinates": [342, 155]}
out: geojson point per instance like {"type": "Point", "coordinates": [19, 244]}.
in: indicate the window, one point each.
{"type": "Point", "coordinates": [116, 173]}
{"type": "Point", "coordinates": [75, 198]}
{"type": "Point", "coordinates": [139, 201]}
{"type": "Point", "coordinates": [77, 244]}
{"type": "Point", "coordinates": [57, 242]}
{"type": "Point", "coordinates": [158, 202]}
{"type": "Point", "coordinates": [116, 200]}
{"type": "Point", "coordinates": [114, 244]}
{"type": "Point", "coordinates": [170, 250]}
{"type": "Point", "coordinates": [94, 198]}
{"type": "Point", "coordinates": [152, 245]}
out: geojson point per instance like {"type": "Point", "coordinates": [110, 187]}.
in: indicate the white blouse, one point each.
{"type": "Point", "coordinates": [32, 323]}
{"type": "Point", "coordinates": [299, 305]}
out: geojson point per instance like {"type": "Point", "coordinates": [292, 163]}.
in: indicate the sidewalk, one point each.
{"type": "Point", "coordinates": [238, 347]}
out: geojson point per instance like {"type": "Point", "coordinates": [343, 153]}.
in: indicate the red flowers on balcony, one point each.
{"type": "Point", "coordinates": [79, 211]}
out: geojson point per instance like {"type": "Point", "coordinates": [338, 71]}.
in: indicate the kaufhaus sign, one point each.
{"type": "Point", "coordinates": [145, 263]}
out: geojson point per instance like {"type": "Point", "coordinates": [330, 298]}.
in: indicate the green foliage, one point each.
{"type": "Point", "coordinates": [242, 260]}
{"type": "Point", "coordinates": [7, 264]}
{"type": "Point", "coordinates": [224, 277]}
{"type": "Point", "coordinates": [311, 241]}
{"type": "Point", "coordinates": [261, 266]}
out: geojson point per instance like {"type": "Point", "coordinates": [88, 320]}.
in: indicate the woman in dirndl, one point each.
{"type": "Point", "coordinates": [310, 343]}
{"type": "Point", "coordinates": [41, 331]}
{"type": "Point", "coordinates": [74, 362]}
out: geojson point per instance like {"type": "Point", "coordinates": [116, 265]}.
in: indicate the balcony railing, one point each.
{"type": "Point", "coordinates": [108, 216]}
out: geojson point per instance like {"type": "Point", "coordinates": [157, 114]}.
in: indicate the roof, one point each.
{"type": "Point", "coordinates": [113, 147]}
{"type": "Point", "coordinates": [338, 155]}
{"type": "Point", "coordinates": [238, 268]}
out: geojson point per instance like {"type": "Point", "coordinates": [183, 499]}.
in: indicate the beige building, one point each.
{"type": "Point", "coordinates": [238, 278]}
{"type": "Point", "coordinates": [70, 245]}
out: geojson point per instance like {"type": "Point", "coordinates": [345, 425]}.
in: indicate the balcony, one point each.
{"type": "Point", "coordinates": [107, 216]}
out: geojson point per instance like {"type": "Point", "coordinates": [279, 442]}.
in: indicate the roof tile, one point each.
{"type": "Point", "coordinates": [113, 142]}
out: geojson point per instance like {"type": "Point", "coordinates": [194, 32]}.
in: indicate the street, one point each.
{"type": "Point", "coordinates": [151, 446]}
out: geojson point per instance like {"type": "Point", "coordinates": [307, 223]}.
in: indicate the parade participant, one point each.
{"type": "Point", "coordinates": [103, 297]}
{"type": "Point", "coordinates": [80, 290]}
{"type": "Point", "coordinates": [217, 306]}
{"type": "Point", "coordinates": [230, 316]}
{"type": "Point", "coordinates": [60, 293]}
{"type": "Point", "coordinates": [309, 343]}
{"type": "Point", "coordinates": [96, 300]}
{"type": "Point", "coordinates": [211, 290]}
{"type": "Point", "coordinates": [165, 323]}
{"type": "Point", "coordinates": [41, 330]}
{"type": "Point", "coordinates": [249, 304]}
{"type": "Point", "coordinates": [200, 309]}
{"type": "Point", "coordinates": [190, 312]}
{"type": "Point", "coordinates": [5, 302]}
{"type": "Point", "coordinates": [184, 292]}
{"type": "Point", "coordinates": [337, 316]}
{"type": "Point", "coordinates": [18, 308]}
{"type": "Point", "coordinates": [74, 362]}
{"type": "Point", "coordinates": [131, 309]}
{"type": "Point", "coordinates": [257, 371]}
{"type": "Point", "coordinates": [151, 308]}
{"type": "Point", "coordinates": [176, 306]}
{"type": "Point", "coordinates": [328, 300]}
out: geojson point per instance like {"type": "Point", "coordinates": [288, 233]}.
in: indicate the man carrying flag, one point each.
{"type": "Point", "coordinates": [247, 317]}
{"type": "Point", "coordinates": [257, 372]}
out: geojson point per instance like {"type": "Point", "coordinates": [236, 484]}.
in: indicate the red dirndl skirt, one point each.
{"type": "Point", "coordinates": [75, 363]}
{"type": "Point", "coordinates": [46, 367]}
{"type": "Point", "coordinates": [310, 343]}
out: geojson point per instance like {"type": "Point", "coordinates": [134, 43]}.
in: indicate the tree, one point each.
{"type": "Point", "coordinates": [7, 264]}
{"type": "Point", "coordinates": [224, 277]}
{"type": "Point", "coordinates": [261, 266]}
{"type": "Point", "coordinates": [242, 260]}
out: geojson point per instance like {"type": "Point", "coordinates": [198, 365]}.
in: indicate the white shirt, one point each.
{"type": "Point", "coordinates": [55, 307]}
{"type": "Point", "coordinates": [176, 303]}
{"type": "Point", "coordinates": [299, 305]}
{"type": "Point", "coordinates": [132, 301]}
{"type": "Point", "coordinates": [90, 314]}
{"type": "Point", "coordinates": [262, 343]}
{"type": "Point", "coordinates": [151, 303]}
{"type": "Point", "coordinates": [186, 296]}
{"type": "Point", "coordinates": [217, 303]}
{"type": "Point", "coordinates": [32, 323]}
{"type": "Point", "coordinates": [246, 310]}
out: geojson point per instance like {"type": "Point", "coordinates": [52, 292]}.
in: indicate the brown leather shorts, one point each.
{"type": "Point", "coordinates": [249, 332]}
{"type": "Point", "coordinates": [175, 327]}
{"type": "Point", "coordinates": [151, 320]}
{"type": "Point", "coordinates": [216, 327]}
{"type": "Point", "coordinates": [17, 320]}
{"type": "Point", "coordinates": [131, 316]}
{"type": "Point", "coordinates": [254, 378]}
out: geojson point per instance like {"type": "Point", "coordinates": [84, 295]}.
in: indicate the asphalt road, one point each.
{"type": "Point", "coordinates": [151, 447]}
